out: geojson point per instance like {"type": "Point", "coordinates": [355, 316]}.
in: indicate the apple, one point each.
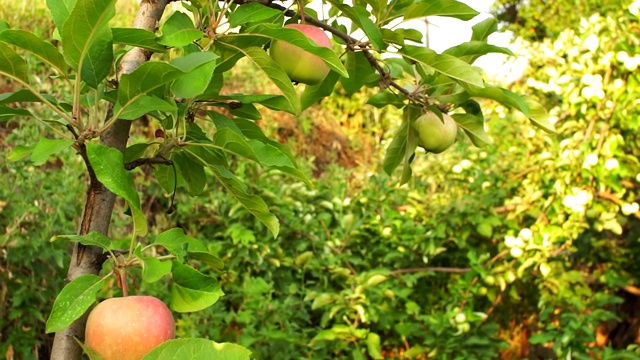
{"type": "Point", "coordinates": [127, 328]}
{"type": "Point", "coordinates": [435, 135]}
{"type": "Point", "coordinates": [302, 66]}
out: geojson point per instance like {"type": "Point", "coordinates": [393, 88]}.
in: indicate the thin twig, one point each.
{"type": "Point", "coordinates": [431, 269]}
{"type": "Point", "coordinates": [147, 161]}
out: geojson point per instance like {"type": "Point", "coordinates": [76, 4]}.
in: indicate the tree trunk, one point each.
{"type": "Point", "coordinates": [99, 202]}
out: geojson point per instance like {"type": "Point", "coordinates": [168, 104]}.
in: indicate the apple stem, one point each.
{"type": "Point", "coordinates": [121, 274]}
{"type": "Point", "coordinates": [301, 11]}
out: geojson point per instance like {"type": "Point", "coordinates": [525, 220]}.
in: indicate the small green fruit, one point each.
{"type": "Point", "coordinates": [301, 65]}
{"type": "Point", "coordinates": [435, 135]}
{"type": "Point", "coordinates": [490, 280]}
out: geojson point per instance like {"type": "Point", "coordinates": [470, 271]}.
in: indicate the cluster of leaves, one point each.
{"type": "Point", "coordinates": [578, 194]}
{"type": "Point", "coordinates": [32, 210]}
{"type": "Point", "coordinates": [347, 276]}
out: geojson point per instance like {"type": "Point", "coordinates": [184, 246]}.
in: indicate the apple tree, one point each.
{"type": "Point", "coordinates": [170, 67]}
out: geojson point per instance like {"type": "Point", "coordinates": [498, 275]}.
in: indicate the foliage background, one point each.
{"type": "Point", "coordinates": [533, 239]}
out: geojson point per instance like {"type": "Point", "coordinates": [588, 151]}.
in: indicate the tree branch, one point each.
{"type": "Point", "coordinates": [100, 201]}
{"type": "Point", "coordinates": [431, 269]}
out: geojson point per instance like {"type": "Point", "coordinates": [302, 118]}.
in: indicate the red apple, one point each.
{"type": "Point", "coordinates": [302, 66]}
{"type": "Point", "coordinates": [127, 328]}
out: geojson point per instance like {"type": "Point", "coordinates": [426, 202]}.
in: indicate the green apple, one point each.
{"type": "Point", "coordinates": [127, 328]}
{"type": "Point", "coordinates": [302, 66]}
{"type": "Point", "coordinates": [435, 135]}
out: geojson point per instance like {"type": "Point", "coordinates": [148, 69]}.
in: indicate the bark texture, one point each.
{"type": "Point", "coordinates": [99, 201]}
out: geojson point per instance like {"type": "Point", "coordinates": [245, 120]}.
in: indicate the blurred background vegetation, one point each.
{"type": "Point", "coordinates": [524, 249]}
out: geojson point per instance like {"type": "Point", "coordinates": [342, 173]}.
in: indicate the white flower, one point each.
{"type": "Point", "coordinates": [526, 234]}
{"type": "Point", "coordinates": [622, 56]}
{"type": "Point", "coordinates": [545, 241]}
{"type": "Point", "coordinates": [516, 252]}
{"type": "Point", "coordinates": [638, 177]}
{"type": "Point", "coordinates": [632, 63]}
{"type": "Point", "coordinates": [544, 269]}
{"type": "Point", "coordinates": [465, 164]}
{"type": "Point", "coordinates": [457, 169]}
{"type": "Point", "coordinates": [611, 164]}
{"type": "Point", "coordinates": [591, 43]}
{"type": "Point", "coordinates": [618, 83]}
{"type": "Point", "coordinates": [628, 209]}
{"type": "Point", "coordinates": [590, 160]}
{"type": "Point", "coordinates": [346, 201]}
{"type": "Point", "coordinates": [512, 241]}
{"type": "Point", "coordinates": [634, 8]}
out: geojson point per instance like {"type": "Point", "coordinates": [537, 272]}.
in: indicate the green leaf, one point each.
{"type": "Point", "coordinates": [246, 111]}
{"type": "Point", "coordinates": [448, 65]}
{"type": "Point", "coordinates": [373, 346]}
{"type": "Point", "coordinates": [529, 107]}
{"type": "Point", "coordinates": [91, 354]}
{"type": "Point", "coordinates": [108, 165]}
{"type": "Point", "coordinates": [252, 12]}
{"type": "Point", "coordinates": [153, 269]}
{"type": "Point", "coordinates": [178, 31]}
{"type": "Point", "coordinates": [273, 156]}
{"type": "Point", "coordinates": [472, 50]}
{"type": "Point", "coordinates": [166, 177]}
{"type": "Point", "coordinates": [148, 77]}
{"type": "Point", "coordinates": [298, 39]}
{"type": "Point", "coordinates": [473, 126]}
{"type": "Point", "coordinates": [402, 148]}
{"type": "Point", "coordinates": [60, 10]}
{"type": "Point", "coordinates": [37, 46]}
{"type": "Point", "coordinates": [449, 8]}
{"type": "Point", "coordinates": [386, 98]}
{"type": "Point", "coordinates": [192, 290]}
{"type": "Point", "coordinates": [198, 68]}
{"type": "Point", "coordinates": [503, 96]}
{"type": "Point", "coordinates": [260, 58]}
{"type": "Point", "coordinates": [12, 64]}
{"type": "Point", "coordinates": [483, 29]}
{"type": "Point", "coordinates": [20, 152]}
{"type": "Point", "coordinates": [93, 238]}
{"type": "Point", "coordinates": [48, 147]}
{"type": "Point", "coordinates": [137, 37]}
{"type": "Point", "coordinates": [143, 105]}
{"type": "Point", "coordinates": [73, 301]}
{"type": "Point", "coordinates": [253, 132]}
{"type": "Point", "coordinates": [254, 204]}
{"type": "Point", "coordinates": [86, 39]}
{"type": "Point", "coordinates": [359, 70]}
{"type": "Point", "coordinates": [135, 151]}
{"type": "Point", "coordinates": [194, 348]}
{"type": "Point", "coordinates": [233, 142]}
{"type": "Point", "coordinates": [410, 34]}
{"type": "Point", "coordinates": [538, 116]}
{"type": "Point", "coordinates": [191, 171]}
{"type": "Point", "coordinates": [396, 150]}
{"type": "Point", "coordinates": [207, 258]}
{"type": "Point", "coordinates": [24, 96]}
{"type": "Point", "coordinates": [7, 113]}
{"type": "Point", "coordinates": [313, 94]}
{"type": "Point", "coordinates": [270, 101]}
{"type": "Point", "coordinates": [361, 17]}
{"type": "Point", "coordinates": [178, 243]}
